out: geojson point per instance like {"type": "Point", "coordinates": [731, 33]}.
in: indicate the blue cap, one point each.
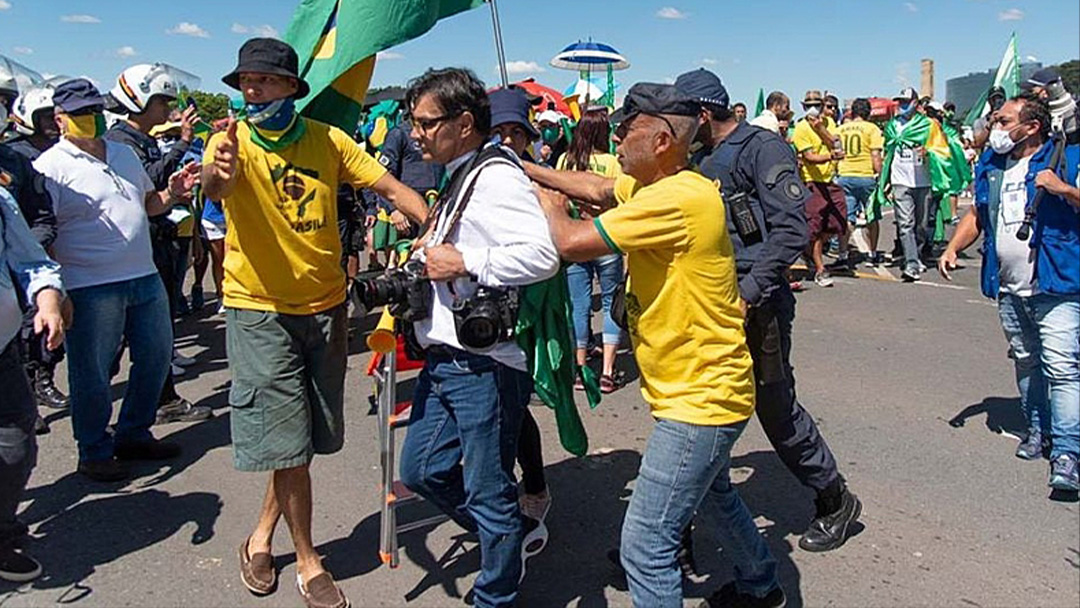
{"type": "Point", "coordinates": [511, 105]}
{"type": "Point", "coordinates": [1041, 78]}
{"type": "Point", "coordinates": [77, 94]}
{"type": "Point", "coordinates": [704, 86]}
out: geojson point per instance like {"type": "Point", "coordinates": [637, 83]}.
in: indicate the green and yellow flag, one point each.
{"type": "Point", "coordinates": [919, 131]}
{"type": "Point", "coordinates": [337, 41]}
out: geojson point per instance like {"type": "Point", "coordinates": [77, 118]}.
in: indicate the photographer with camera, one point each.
{"type": "Point", "coordinates": [486, 236]}
{"type": "Point", "coordinates": [1036, 282]}
{"type": "Point", "coordinates": [276, 174]}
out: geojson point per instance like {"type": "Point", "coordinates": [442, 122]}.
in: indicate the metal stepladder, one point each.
{"type": "Point", "coordinates": [393, 415]}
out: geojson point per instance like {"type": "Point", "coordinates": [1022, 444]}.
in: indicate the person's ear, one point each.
{"type": "Point", "coordinates": [468, 123]}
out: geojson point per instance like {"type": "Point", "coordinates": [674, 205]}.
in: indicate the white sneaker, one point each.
{"type": "Point", "coordinates": [177, 370]}
{"type": "Point", "coordinates": [180, 360]}
{"type": "Point", "coordinates": [221, 309]}
{"type": "Point", "coordinates": [822, 279]}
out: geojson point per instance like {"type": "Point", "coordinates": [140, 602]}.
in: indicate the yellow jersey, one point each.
{"type": "Point", "coordinates": [682, 301]}
{"type": "Point", "coordinates": [283, 248]}
{"type": "Point", "coordinates": [806, 139]}
{"type": "Point", "coordinates": [860, 138]}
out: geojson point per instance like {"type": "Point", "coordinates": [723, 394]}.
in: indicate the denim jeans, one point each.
{"type": "Point", "coordinates": [1044, 343]}
{"type": "Point", "coordinates": [911, 208]}
{"type": "Point", "coordinates": [459, 455]}
{"type": "Point", "coordinates": [609, 272]}
{"type": "Point", "coordinates": [685, 469]}
{"type": "Point", "coordinates": [136, 310]}
{"type": "Point", "coordinates": [857, 192]}
{"type": "Point", "coordinates": [18, 445]}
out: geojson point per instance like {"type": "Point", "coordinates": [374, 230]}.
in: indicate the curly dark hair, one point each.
{"type": "Point", "coordinates": [1034, 109]}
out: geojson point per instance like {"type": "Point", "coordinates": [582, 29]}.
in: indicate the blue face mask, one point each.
{"type": "Point", "coordinates": [907, 109]}
{"type": "Point", "coordinates": [271, 115]}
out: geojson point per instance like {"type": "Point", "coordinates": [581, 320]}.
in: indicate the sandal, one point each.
{"type": "Point", "coordinates": [607, 384]}
{"type": "Point", "coordinates": [257, 571]}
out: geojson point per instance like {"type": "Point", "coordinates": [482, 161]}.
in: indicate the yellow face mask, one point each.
{"type": "Point", "coordinates": [84, 126]}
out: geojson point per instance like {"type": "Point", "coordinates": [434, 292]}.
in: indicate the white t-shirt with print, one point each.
{"type": "Point", "coordinates": [1016, 259]}
{"type": "Point", "coordinates": [102, 231]}
{"type": "Point", "coordinates": [908, 167]}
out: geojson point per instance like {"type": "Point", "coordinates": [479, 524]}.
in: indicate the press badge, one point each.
{"type": "Point", "coordinates": [1013, 201]}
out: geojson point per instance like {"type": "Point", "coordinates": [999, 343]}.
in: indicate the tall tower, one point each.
{"type": "Point", "coordinates": [926, 87]}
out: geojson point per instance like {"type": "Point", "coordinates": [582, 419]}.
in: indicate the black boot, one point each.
{"type": "Point", "coordinates": [837, 511]}
{"type": "Point", "coordinates": [46, 392]}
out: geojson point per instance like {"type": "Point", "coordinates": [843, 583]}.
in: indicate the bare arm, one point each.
{"type": "Point", "coordinates": [219, 176]}
{"type": "Point", "coordinates": [582, 186]}
{"type": "Point", "coordinates": [814, 158]}
{"type": "Point", "coordinates": [875, 158]}
{"type": "Point", "coordinates": [402, 197]}
{"type": "Point", "coordinates": [966, 234]}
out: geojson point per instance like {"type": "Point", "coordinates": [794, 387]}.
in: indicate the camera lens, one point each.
{"type": "Point", "coordinates": [479, 332]}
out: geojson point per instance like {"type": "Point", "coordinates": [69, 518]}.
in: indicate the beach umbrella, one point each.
{"type": "Point", "coordinates": [547, 96]}
{"type": "Point", "coordinates": [587, 57]}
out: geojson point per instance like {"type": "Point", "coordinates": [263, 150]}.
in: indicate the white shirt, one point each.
{"type": "Point", "coordinates": [767, 120]}
{"type": "Point", "coordinates": [102, 231]}
{"type": "Point", "coordinates": [504, 239]}
{"type": "Point", "coordinates": [908, 168]}
{"type": "Point", "coordinates": [1016, 258]}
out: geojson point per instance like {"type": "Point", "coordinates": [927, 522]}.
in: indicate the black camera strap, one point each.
{"type": "Point", "coordinates": [455, 200]}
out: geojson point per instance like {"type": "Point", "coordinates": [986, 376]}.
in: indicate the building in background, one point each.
{"type": "Point", "coordinates": [964, 91]}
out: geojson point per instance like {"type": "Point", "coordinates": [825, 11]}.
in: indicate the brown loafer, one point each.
{"type": "Point", "coordinates": [322, 592]}
{"type": "Point", "coordinates": [257, 571]}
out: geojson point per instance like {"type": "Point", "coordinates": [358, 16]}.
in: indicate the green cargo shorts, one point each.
{"type": "Point", "coordinates": [288, 382]}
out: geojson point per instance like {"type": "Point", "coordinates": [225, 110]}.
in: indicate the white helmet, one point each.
{"type": "Point", "coordinates": [32, 100]}
{"type": "Point", "coordinates": [137, 84]}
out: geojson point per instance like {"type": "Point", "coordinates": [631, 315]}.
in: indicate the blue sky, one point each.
{"type": "Point", "coordinates": [851, 47]}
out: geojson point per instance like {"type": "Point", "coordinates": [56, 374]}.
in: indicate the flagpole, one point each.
{"type": "Point", "coordinates": [499, 43]}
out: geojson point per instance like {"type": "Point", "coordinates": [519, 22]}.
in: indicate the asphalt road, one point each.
{"type": "Point", "coordinates": [951, 517]}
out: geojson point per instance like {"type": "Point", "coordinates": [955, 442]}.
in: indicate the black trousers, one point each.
{"type": "Point", "coordinates": [166, 249]}
{"type": "Point", "coordinates": [789, 427]}
{"type": "Point", "coordinates": [36, 356]}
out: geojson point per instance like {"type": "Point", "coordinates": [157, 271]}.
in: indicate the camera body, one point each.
{"type": "Point", "coordinates": [405, 291]}
{"type": "Point", "coordinates": [1064, 116]}
{"type": "Point", "coordinates": [487, 318]}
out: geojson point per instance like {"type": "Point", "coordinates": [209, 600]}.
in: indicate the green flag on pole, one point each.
{"type": "Point", "coordinates": [759, 107]}
{"type": "Point", "coordinates": [337, 41]}
{"type": "Point", "coordinates": [1007, 77]}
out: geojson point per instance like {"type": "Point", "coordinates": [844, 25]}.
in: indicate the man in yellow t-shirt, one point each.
{"type": "Point", "coordinates": [818, 145]}
{"type": "Point", "coordinates": [859, 169]}
{"type": "Point", "coordinates": [277, 176]}
{"type": "Point", "coordinates": [684, 316]}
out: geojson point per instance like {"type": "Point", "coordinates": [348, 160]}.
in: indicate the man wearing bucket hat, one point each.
{"type": "Point", "coordinates": [277, 176]}
{"type": "Point", "coordinates": [687, 328]}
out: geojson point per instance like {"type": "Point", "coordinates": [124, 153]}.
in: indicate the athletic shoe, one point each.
{"type": "Point", "coordinates": [17, 567]}
{"type": "Point", "coordinates": [910, 276]}
{"type": "Point", "coordinates": [181, 410]}
{"type": "Point", "coordinates": [1064, 474]}
{"type": "Point", "coordinates": [180, 360]}
{"type": "Point", "coordinates": [1031, 448]}
{"type": "Point", "coordinates": [221, 309]}
{"type": "Point", "coordinates": [822, 279]}
{"type": "Point", "coordinates": [829, 531]}
{"type": "Point", "coordinates": [729, 597]}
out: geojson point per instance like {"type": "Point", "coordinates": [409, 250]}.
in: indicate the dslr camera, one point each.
{"type": "Point", "coordinates": [487, 318]}
{"type": "Point", "coordinates": [405, 291]}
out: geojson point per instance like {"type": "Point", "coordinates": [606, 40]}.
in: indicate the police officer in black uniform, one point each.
{"type": "Point", "coordinates": [27, 186]}
{"type": "Point", "coordinates": [764, 201]}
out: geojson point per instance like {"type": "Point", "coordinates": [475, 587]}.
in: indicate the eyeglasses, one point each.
{"type": "Point", "coordinates": [830, 106]}
{"type": "Point", "coordinates": [427, 125]}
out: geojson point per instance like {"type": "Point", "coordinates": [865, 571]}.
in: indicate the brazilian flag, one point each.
{"type": "Point", "coordinates": [337, 41]}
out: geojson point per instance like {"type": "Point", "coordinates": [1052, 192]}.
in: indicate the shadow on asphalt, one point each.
{"type": "Point", "coordinates": [1003, 415]}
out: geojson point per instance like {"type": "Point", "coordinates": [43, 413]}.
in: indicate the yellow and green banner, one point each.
{"type": "Point", "coordinates": [337, 41]}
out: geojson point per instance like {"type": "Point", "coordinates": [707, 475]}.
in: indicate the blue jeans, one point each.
{"type": "Point", "coordinates": [1044, 343]}
{"type": "Point", "coordinates": [105, 315]}
{"type": "Point", "coordinates": [857, 191]}
{"type": "Point", "coordinates": [685, 469]}
{"type": "Point", "coordinates": [459, 455]}
{"type": "Point", "coordinates": [609, 272]}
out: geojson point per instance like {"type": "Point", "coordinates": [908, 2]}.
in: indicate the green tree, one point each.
{"type": "Point", "coordinates": [212, 106]}
{"type": "Point", "coordinates": [1070, 75]}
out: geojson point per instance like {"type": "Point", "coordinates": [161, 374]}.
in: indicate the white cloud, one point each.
{"type": "Point", "coordinates": [710, 61]}
{"type": "Point", "coordinates": [910, 7]}
{"type": "Point", "coordinates": [263, 31]}
{"type": "Point", "coordinates": [1012, 14]}
{"type": "Point", "coordinates": [1031, 58]}
{"type": "Point", "coordinates": [79, 19]}
{"type": "Point", "coordinates": [188, 29]}
{"type": "Point", "coordinates": [126, 51]}
{"type": "Point", "coordinates": [4, 5]}
{"type": "Point", "coordinates": [388, 55]}
{"type": "Point", "coordinates": [523, 67]}
{"type": "Point", "coordinates": [670, 12]}
{"type": "Point", "coordinates": [23, 50]}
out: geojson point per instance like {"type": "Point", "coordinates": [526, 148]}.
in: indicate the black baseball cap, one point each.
{"type": "Point", "coordinates": [511, 106]}
{"type": "Point", "coordinates": [77, 95]}
{"type": "Point", "coordinates": [704, 86]}
{"type": "Point", "coordinates": [1041, 78]}
{"type": "Point", "coordinates": [267, 56]}
{"type": "Point", "coordinates": [654, 99]}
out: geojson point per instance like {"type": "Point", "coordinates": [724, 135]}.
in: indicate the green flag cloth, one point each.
{"type": "Point", "coordinates": [544, 331]}
{"type": "Point", "coordinates": [1007, 77]}
{"type": "Point", "coordinates": [919, 131]}
{"type": "Point", "coordinates": [759, 107]}
{"type": "Point", "coordinates": [337, 41]}
{"type": "Point", "coordinates": [959, 177]}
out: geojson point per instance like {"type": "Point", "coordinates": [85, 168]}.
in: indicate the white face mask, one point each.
{"type": "Point", "coordinates": [1001, 142]}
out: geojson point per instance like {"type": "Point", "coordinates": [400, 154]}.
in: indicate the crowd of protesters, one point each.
{"type": "Point", "coordinates": [494, 193]}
